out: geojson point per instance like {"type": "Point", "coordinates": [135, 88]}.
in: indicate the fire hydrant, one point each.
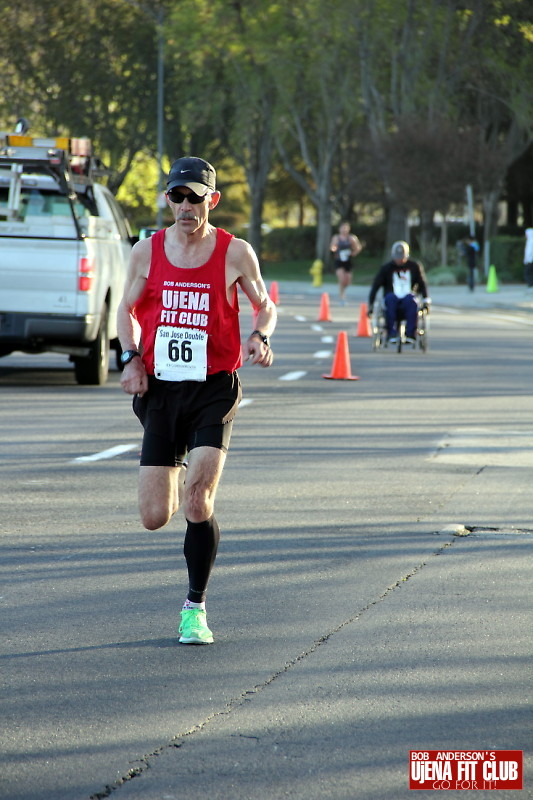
{"type": "Point", "coordinates": [316, 271]}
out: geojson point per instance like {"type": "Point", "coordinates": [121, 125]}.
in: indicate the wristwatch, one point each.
{"type": "Point", "coordinates": [264, 338]}
{"type": "Point", "coordinates": [128, 355]}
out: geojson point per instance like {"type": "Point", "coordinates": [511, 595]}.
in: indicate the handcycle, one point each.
{"type": "Point", "coordinates": [380, 338]}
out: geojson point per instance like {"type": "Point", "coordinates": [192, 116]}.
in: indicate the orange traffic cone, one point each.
{"type": "Point", "coordinates": [323, 314]}
{"type": "Point", "coordinates": [364, 328]}
{"type": "Point", "coordinates": [274, 292]}
{"type": "Point", "coordinates": [341, 370]}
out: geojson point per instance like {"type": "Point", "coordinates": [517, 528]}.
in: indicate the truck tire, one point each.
{"type": "Point", "coordinates": [119, 364]}
{"type": "Point", "coordinates": [93, 370]}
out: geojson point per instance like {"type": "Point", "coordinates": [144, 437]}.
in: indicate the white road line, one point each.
{"type": "Point", "coordinates": [327, 339]}
{"type": "Point", "coordinates": [489, 313]}
{"type": "Point", "coordinates": [317, 328]}
{"type": "Point", "coordinates": [246, 402]}
{"type": "Point", "coordinates": [510, 318]}
{"type": "Point", "coordinates": [322, 354]}
{"type": "Point", "coordinates": [110, 453]}
{"type": "Point", "coordinates": [299, 318]}
{"type": "Point", "coordinates": [292, 376]}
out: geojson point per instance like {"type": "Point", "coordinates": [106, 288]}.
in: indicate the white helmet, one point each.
{"type": "Point", "coordinates": [400, 250]}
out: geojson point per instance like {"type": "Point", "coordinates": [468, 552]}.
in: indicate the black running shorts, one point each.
{"type": "Point", "coordinates": [178, 416]}
{"type": "Point", "coordinates": [347, 266]}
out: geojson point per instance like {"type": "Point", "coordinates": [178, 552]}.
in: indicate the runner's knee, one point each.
{"type": "Point", "coordinates": [158, 495]}
{"type": "Point", "coordinates": [154, 517]}
{"type": "Point", "coordinates": [198, 502]}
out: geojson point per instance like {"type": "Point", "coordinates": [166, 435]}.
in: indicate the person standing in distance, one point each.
{"type": "Point", "coordinates": [401, 279]}
{"type": "Point", "coordinates": [344, 246]}
{"type": "Point", "coordinates": [178, 325]}
{"type": "Point", "coordinates": [471, 251]}
{"type": "Point", "coordinates": [528, 258]}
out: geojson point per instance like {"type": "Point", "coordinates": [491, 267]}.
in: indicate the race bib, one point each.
{"type": "Point", "coordinates": [180, 354]}
{"type": "Point", "coordinates": [401, 283]}
{"type": "Point", "coordinates": [345, 254]}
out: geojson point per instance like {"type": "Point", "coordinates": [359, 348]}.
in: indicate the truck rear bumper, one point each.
{"type": "Point", "coordinates": [39, 332]}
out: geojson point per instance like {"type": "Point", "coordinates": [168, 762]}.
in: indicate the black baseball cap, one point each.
{"type": "Point", "coordinates": [195, 173]}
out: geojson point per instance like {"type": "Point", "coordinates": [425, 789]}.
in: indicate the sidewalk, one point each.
{"type": "Point", "coordinates": [515, 296]}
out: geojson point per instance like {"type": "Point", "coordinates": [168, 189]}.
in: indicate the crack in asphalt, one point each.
{"type": "Point", "coordinates": [179, 740]}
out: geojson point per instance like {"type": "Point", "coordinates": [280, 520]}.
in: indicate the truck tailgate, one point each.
{"type": "Point", "coordinates": [39, 275]}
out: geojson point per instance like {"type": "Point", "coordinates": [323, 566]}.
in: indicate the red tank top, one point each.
{"type": "Point", "coordinates": [191, 298]}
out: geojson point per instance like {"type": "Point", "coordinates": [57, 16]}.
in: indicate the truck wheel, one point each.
{"type": "Point", "coordinates": [93, 370]}
{"type": "Point", "coordinates": [118, 353]}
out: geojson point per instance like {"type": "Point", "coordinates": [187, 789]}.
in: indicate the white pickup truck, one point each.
{"type": "Point", "coordinates": [64, 252]}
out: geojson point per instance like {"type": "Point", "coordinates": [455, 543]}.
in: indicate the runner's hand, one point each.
{"type": "Point", "coordinates": [258, 353]}
{"type": "Point", "coordinates": [134, 379]}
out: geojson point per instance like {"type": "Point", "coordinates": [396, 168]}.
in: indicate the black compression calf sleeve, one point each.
{"type": "Point", "coordinates": [200, 549]}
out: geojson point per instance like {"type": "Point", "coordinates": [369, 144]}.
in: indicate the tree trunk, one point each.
{"type": "Point", "coordinates": [527, 208]}
{"type": "Point", "coordinates": [512, 213]}
{"type": "Point", "coordinates": [426, 233]}
{"type": "Point", "coordinates": [257, 167]}
{"type": "Point", "coordinates": [444, 242]}
{"type": "Point", "coordinates": [255, 234]}
{"type": "Point", "coordinates": [320, 192]}
{"type": "Point", "coordinates": [396, 224]}
{"type": "Point", "coordinates": [490, 221]}
{"type": "Point", "coordinates": [323, 231]}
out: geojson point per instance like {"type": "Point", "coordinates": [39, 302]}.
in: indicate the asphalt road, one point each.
{"type": "Point", "coordinates": [351, 623]}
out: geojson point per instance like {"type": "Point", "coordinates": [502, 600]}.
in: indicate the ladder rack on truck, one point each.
{"type": "Point", "coordinates": [64, 251]}
{"type": "Point", "coordinates": [69, 161]}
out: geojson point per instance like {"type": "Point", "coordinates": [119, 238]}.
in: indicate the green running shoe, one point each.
{"type": "Point", "coordinates": [193, 628]}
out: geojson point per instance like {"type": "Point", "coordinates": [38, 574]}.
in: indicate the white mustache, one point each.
{"type": "Point", "coordinates": [187, 215]}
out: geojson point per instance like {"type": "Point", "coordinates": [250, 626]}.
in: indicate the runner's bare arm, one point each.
{"type": "Point", "coordinates": [242, 267]}
{"type": "Point", "coordinates": [356, 245]}
{"type": "Point", "coordinates": [134, 379]}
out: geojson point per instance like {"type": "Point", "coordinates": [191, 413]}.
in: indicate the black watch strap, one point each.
{"type": "Point", "coordinates": [128, 355]}
{"type": "Point", "coordinates": [264, 338]}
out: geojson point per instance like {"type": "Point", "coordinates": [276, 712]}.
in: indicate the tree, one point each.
{"type": "Point", "coordinates": [246, 81]}
{"type": "Point", "coordinates": [227, 43]}
{"type": "Point", "coordinates": [83, 68]}
{"type": "Point", "coordinates": [315, 64]}
{"type": "Point", "coordinates": [519, 190]}
{"type": "Point", "coordinates": [429, 167]}
{"type": "Point", "coordinates": [501, 103]}
{"type": "Point", "coordinates": [412, 58]}
{"type": "Point", "coordinates": [428, 60]}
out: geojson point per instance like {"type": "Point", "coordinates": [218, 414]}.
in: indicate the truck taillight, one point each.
{"type": "Point", "coordinates": [85, 274]}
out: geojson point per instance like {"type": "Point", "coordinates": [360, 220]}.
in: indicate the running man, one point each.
{"type": "Point", "coordinates": [178, 325]}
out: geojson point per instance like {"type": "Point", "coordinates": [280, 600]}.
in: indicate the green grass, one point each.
{"type": "Point", "coordinates": [362, 274]}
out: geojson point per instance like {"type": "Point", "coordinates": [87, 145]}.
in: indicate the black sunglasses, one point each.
{"type": "Point", "coordinates": [176, 196]}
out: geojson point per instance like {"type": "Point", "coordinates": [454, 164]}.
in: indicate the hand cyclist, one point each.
{"type": "Point", "coordinates": [401, 279]}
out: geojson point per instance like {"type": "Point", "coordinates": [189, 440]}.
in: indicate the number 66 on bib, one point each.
{"type": "Point", "coordinates": [180, 354]}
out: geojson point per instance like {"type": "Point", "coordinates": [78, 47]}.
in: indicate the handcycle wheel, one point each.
{"type": "Point", "coordinates": [400, 327]}
{"type": "Point", "coordinates": [423, 326]}
{"type": "Point", "coordinates": [379, 336]}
